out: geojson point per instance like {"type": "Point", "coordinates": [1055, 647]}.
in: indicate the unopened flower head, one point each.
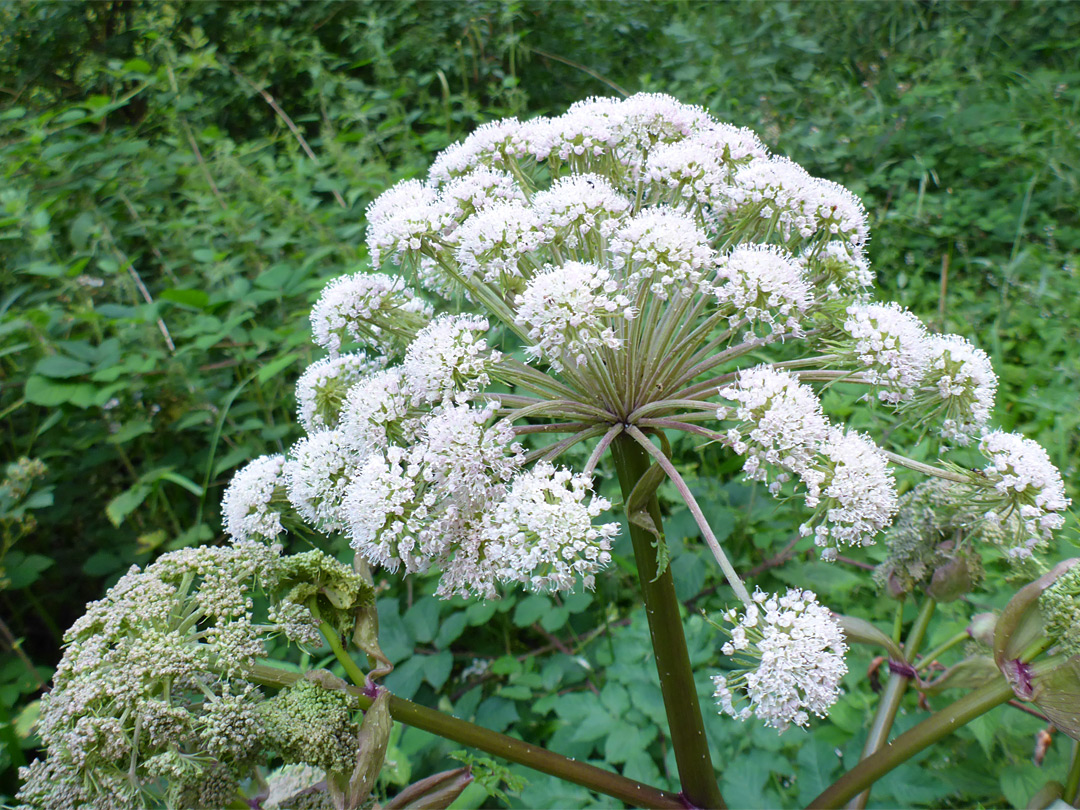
{"type": "Point", "coordinates": [1024, 482]}
{"type": "Point", "coordinates": [375, 310]}
{"type": "Point", "coordinates": [154, 683]}
{"type": "Point", "coordinates": [572, 311]}
{"type": "Point", "coordinates": [323, 386]}
{"type": "Point", "coordinates": [377, 410]}
{"type": "Point", "coordinates": [764, 284]}
{"type": "Point", "coordinates": [252, 504]}
{"type": "Point", "coordinates": [1060, 605]}
{"type": "Point", "coordinates": [791, 651]}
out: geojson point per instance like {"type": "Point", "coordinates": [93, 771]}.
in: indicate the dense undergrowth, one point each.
{"type": "Point", "coordinates": [181, 179]}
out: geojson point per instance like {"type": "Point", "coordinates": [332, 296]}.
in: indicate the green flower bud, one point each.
{"type": "Point", "coordinates": [308, 723]}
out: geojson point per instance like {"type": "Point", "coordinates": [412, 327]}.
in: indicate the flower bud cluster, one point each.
{"type": "Point", "coordinates": [936, 539]}
{"type": "Point", "coordinates": [791, 651]}
{"type": "Point", "coordinates": [154, 683]}
{"type": "Point", "coordinates": [1060, 605]}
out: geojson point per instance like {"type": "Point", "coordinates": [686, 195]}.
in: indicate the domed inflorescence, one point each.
{"type": "Point", "coordinates": [624, 267]}
{"type": "Point", "coordinates": [792, 654]}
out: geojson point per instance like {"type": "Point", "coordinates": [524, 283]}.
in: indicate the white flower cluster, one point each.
{"type": "Point", "coordinates": [153, 682]}
{"type": "Point", "coordinates": [323, 385]}
{"type": "Point", "coordinates": [665, 253]}
{"type": "Point", "coordinates": [764, 284]}
{"type": "Point", "coordinates": [1027, 484]}
{"type": "Point", "coordinates": [776, 194]}
{"type": "Point", "coordinates": [852, 490]}
{"type": "Point", "coordinates": [570, 311]}
{"type": "Point", "coordinates": [783, 429]}
{"type": "Point", "coordinates": [449, 359]}
{"type": "Point", "coordinates": [959, 386]}
{"type": "Point", "coordinates": [253, 503]}
{"type": "Point", "coordinates": [793, 653]}
{"type": "Point", "coordinates": [375, 310]}
{"type": "Point", "coordinates": [891, 345]}
{"type": "Point", "coordinates": [545, 512]}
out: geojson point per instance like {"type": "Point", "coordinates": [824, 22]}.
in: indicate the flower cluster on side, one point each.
{"type": "Point", "coordinates": [153, 700]}
{"type": "Point", "coordinates": [792, 656]}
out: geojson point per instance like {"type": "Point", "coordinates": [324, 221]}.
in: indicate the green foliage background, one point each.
{"type": "Point", "coordinates": [163, 232]}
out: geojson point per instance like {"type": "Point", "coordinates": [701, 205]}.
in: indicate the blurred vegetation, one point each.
{"type": "Point", "coordinates": [179, 179]}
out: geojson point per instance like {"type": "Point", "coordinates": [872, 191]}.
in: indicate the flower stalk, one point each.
{"type": "Point", "coordinates": [685, 723]}
{"type": "Point", "coordinates": [500, 745]}
{"type": "Point", "coordinates": [893, 694]}
{"type": "Point", "coordinates": [911, 742]}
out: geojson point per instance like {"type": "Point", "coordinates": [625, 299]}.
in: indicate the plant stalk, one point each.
{"type": "Point", "coordinates": [1072, 782]}
{"type": "Point", "coordinates": [893, 694]}
{"type": "Point", "coordinates": [500, 745]}
{"type": "Point", "coordinates": [685, 724]}
{"type": "Point", "coordinates": [911, 742]}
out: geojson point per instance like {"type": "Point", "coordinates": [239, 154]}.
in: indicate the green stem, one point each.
{"type": "Point", "coordinates": [893, 694]}
{"type": "Point", "coordinates": [911, 742]}
{"type": "Point", "coordinates": [685, 724]}
{"type": "Point", "coordinates": [354, 672]}
{"type": "Point", "coordinates": [500, 745]}
{"type": "Point", "coordinates": [1071, 794]}
{"type": "Point", "coordinates": [933, 655]}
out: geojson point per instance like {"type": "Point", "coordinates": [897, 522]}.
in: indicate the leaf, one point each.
{"type": "Point", "coordinates": [42, 391]}
{"type": "Point", "coordinates": [816, 761]}
{"type": "Point", "coordinates": [623, 742]}
{"type": "Point", "coordinates": [555, 618]}
{"type": "Point", "coordinates": [860, 631]}
{"type": "Point", "coordinates": [272, 368]}
{"type": "Point", "coordinates": [530, 609]}
{"type": "Point", "coordinates": [125, 503]}
{"type": "Point", "coordinates": [637, 504]}
{"type": "Point", "coordinates": [193, 299]}
{"type": "Point", "coordinates": [450, 629]}
{"type": "Point", "coordinates": [350, 791]}
{"type": "Point", "coordinates": [437, 668]}
{"type": "Point", "coordinates": [422, 619]}
{"type": "Point", "coordinates": [22, 569]}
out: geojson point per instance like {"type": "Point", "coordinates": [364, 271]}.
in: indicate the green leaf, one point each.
{"type": "Point", "coordinates": [816, 761]}
{"type": "Point", "coordinates": [450, 629]}
{"type": "Point", "coordinates": [125, 503]}
{"type": "Point", "coordinates": [422, 619]}
{"type": "Point", "coordinates": [22, 569]}
{"type": "Point", "coordinates": [42, 391]}
{"type": "Point", "coordinates": [624, 741]}
{"type": "Point", "coordinates": [194, 299]}
{"type": "Point", "coordinates": [530, 609]}
{"type": "Point", "coordinates": [271, 369]}
{"type": "Point", "coordinates": [480, 612]}
{"type": "Point", "coordinates": [555, 618]}
{"type": "Point", "coordinates": [437, 668]}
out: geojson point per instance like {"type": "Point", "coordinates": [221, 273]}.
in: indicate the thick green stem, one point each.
{"type": "Point", "coordinates": [685, 724]}
{"type": "Point", "coordinates": [1072, 782]}
{"type": "Point", "coordinates": [911, 742]}
{"type": "Point", "coordinates": [491, 742]}
{"type": "Point", "coordinates": [893, 694]}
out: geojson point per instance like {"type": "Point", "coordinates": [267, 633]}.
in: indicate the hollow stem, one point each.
{"type": "Point", "coordinates": [892, 695]}
{"type": "Point", "coordinates": [491, 742]}
{"type": "Point", "coordinates": [911, 742]}
{"type": "Point", "coordinates": [685, 725]}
